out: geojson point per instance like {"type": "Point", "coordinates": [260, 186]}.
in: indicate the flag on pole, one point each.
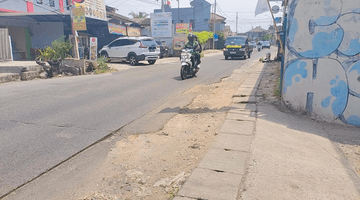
{"type": "Point", "coordinates": [261, 7]}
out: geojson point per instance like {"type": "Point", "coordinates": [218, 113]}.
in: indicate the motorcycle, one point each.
{"type": "Point", "coordinates": [187, 68]}
{"type": "Point", "coordinates": [259, 48]}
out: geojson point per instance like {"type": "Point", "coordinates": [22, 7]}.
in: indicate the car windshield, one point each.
{"type": "Point", "coordinates": [235, 41]}
{"type": "Point", "coordinates": [148, 42]}
{"type": "Point", "coordinates": [266, 43]}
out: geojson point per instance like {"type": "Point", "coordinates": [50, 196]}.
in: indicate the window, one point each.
{"type": "Point", "coordinates": [117, 43]}
{"type": "Point", "coordinates": [128, 42]}
{"type": "Point", "coordinates": [52, 3]}
{"type": "Point", "coordinates": [181, 21]}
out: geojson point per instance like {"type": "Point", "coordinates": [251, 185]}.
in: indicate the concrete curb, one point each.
{"type": "Point", "coordinates": [220, 173]}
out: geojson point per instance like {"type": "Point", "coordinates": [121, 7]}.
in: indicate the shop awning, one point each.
{"type": "Point", "coordinates": [38, 17]}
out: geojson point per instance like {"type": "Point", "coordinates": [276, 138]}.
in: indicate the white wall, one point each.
{"type": "Point", "coordinates": [46, 32]}
{"type": "Point", "coordinates": [322, 74]}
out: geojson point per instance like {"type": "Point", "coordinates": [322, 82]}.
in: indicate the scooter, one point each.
{"type": "Point", "coordinates": [259, 48]}
{"type": "Point", "coordinates": [187, 68]}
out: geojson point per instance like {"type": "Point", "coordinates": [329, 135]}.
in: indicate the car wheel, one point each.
{"type": "Point", "coordinates": [133, 60]}
{"type": "Point", "coordinates": [226, 57]}
{"type": "Point", "coordinates": [105, 55]}
{"type": "Point", "coordinates": [151, 62]}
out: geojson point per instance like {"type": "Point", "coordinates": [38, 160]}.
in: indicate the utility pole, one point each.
{"type": "Point", "coordinates": [178, 11]}
{"type": "Point", "coordinates": [214, 24]}
{"type": "Point", "coordinates": [76, 52]}
{"type": "Point", "coordinates": [162, 6]}
{"type": "Point", "coordinates": [236, 22]}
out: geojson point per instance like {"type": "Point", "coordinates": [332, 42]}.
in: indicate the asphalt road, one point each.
{"type": "Point", "coordinates": [44, 122]}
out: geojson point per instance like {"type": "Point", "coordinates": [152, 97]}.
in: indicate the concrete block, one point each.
{"type": "Point", "coordinates": [238, 127]}
{"type": "Point", "coordinates": [26, 76]}
{"type": "Point", "coordinates": [244, 99]}
{"type": "Point", "coordinates": [208, 184]}
{"type": "Point", "coordinates": [239, 116]}
{"type": "Point", "coordinates": [233, 142]}
{"type": "Point", "coordinates": [9, 77]}
{"type": "Point", "coordinates": [245, 92]}
{"type": "Point", "coordinates": [225, 161]}
{"type": "Point", "coordinates": [243, 106]}
{"type": "Point", "coordinates": [35, 68]}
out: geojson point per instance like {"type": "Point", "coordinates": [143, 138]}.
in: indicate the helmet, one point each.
{"type": "Point", "coordinates": [191, 37]}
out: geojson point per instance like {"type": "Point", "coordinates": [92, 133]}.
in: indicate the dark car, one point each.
{"type": "Point", "coordinates": [266, 44]}
{"type": "Point", "coordinates": [164, 49]}
{"type": "Point", "coordinates": [237, 46]}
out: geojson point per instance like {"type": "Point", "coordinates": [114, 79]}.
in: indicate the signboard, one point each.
{"type": "Point", "coordinates": [161, 24]}
{"type": "Point", "coordinates": [278, 20]}
{"type": "Point", "coordinates": [117, 29]}
{"type": "Point", "coordinates": [133, 31]}
{"type": "Point", "coordinates": [79, 22]}
{"type": "Point", "coordinates": [93, 8]}
{"type": "Point", "coordinates": [182, 28]}
{"type": "Point", "coordinates": [179, 41]}
{"type": "Point", "coordinates": [93, 48]}
{"type": "Point", "coordinates": [275, 9]}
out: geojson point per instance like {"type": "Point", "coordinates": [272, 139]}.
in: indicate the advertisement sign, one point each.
{"type": "Point", "coordinates": [93, 8]}
{"type": "Point", "coordinates": [133, 31]}
{"type": "Point", "coordinates": [161, 24]}
{"type": "Point", "coordinates": [93, 48]}
{"type": "Point", "coordinates": [117, 29]}
{"type": "Point", "coordinates": [179, 41]}
{"type": "Point", "coordinates": [79, 21]}
{"type": "Point", "coordinates": [182, 28]}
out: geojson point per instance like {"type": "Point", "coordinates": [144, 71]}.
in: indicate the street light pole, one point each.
{"type": "Point", "coordinates": [214, 24]}
{"type": "Point", "coordinates": [178, 11]}
{"type": "Point", "coordinates": [162, 6]}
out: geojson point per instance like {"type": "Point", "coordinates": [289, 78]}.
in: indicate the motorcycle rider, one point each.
{"type": "Point", "coordinates": [193, 44]}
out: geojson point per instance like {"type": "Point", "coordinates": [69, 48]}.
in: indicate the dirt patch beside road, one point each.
{"type": "Point", "coordinates": [155, 165]}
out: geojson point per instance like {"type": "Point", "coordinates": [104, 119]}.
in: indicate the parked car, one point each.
{"type": "Point", "coordinates": [266, 44]}
{"type": "Point", "coordinates": [237, 46]}
{"type": "Point", "coordinates": [132, 49]}
{"type": "Point", "coordinates": [164, 49]}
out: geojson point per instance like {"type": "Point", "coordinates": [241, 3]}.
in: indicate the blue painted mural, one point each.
{"type": "Point", "coordinates": [322, 74]}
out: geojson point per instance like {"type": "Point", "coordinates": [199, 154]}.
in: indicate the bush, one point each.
{"type": "Point", "coordinates": [59, 49]}
{"type": "Point", "coordinates": [101, 66]}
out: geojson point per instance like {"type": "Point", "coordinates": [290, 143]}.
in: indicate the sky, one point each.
{"type": "Point", "coordinates": [226, 8]}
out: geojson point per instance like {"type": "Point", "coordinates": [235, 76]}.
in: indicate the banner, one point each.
{"type": "Point", "coordinates": [261, 7]}
{"type": "Point", "coordinates": [161, 24]}
{"type": "Point", "coordinates": [179, 41]}
{"type": "Point", "coordinates": [79, 21]}
{"type": "Point", "coordinates": [133, 31]}
{"type": "Point", "coordinates": [182, 28]}
{"type": "Point", "coordinates": [93, 48]}
{"type": "Point", "coordinates": [93, 8]}
{"type": "Point", "coordinates": [117, 29]}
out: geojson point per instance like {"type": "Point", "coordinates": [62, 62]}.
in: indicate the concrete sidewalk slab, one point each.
{"type": "Point", "coordinates": [238, 127]}
{"type": "Point", "coordinates": [208, 184]}
{"type": "Point", "coordinates": [250, 116]}
{"type": "Point", "coordinates": [245, 99]}
{"type": "Point", "coordinates": [293, 158]}
{"type": "Point", "coordinates": [229, 161]}
{"type": "Point", "coordinates": [245, 92]}
{"type": "Point", "coordinates": [233, 142]}
{"type": "Point", "coordinates": [242, 107]}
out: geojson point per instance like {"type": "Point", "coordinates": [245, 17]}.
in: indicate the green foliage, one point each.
{"type": "Point", "coordinates": [203, 36]}
{"type": "Point", "coordinates": [101, 66]}
{"type": "Point", "coordinates": [267, 37]}
{"type": "Point", "coordinates": [277, 91]}
{"type": "Point", "coordinates": [140, 15]}
{"type": "Point", "coordinates": [59, 49]}
{"type": "Point", "coordinates": [221, 35]}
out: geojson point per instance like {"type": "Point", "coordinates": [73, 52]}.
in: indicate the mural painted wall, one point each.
{"type": "Point", "coordinates": [322, 61]}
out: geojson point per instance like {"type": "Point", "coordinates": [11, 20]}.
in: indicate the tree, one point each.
{"type": "Point", "coordinates": [140, 15]}
{"type": "Point", "coordinates": [204, 36]}
{"type": "Point", "coordinates": [267, 37]}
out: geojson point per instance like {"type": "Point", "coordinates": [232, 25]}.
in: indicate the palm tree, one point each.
{"type": "Point", "coordinates": [140, 15]}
